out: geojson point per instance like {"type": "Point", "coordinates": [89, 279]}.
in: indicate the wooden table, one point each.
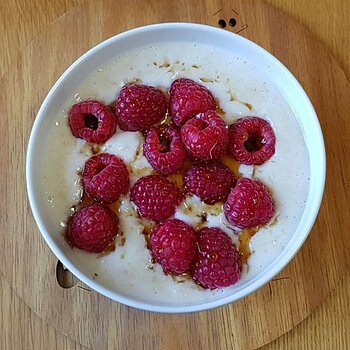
{"type": "Point", "coordinates": [326, 328]}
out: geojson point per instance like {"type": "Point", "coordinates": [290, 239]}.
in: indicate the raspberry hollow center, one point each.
{"type": "Point", "coordinates": [100, 168]}
{"type": "Point", "coordinates": [254, 142]}
{"type": "Point", "coordinates": [203, 125]}
{"type": "Point", "coordinates": [91, 121]}
{"type": "Point", "coordinates": [164, 143]}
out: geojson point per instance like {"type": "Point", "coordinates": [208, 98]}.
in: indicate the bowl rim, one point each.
{"type": "Point", "coordinates": [275, 268]}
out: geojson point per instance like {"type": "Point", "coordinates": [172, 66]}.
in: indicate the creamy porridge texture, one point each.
{"type": "Point", "coordinates": [240, 91]}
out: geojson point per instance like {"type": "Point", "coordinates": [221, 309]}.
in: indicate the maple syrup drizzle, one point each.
{"type": "Point", "coordinates": [95, 149]}
{"type": "Point", "coordinates": [167, 121]}
{"type": "Point", "coordinates": [178, 177]}
{"type": "Point", "coordinates": [182, 278]}
{"type": "Point", "coordinates": [244, 240]}
{"type": "Point", "coordinates": [219, 111]}
{"type": "Point", "coordinates": [232, 164]}
{"type": "Point", "coordinates": [122, 242]}
{"type": "Point", "coordinates": [110, 248]}
{"type": "Point", "coordinates": [85, 200]}
{"type": "Point", "coordinates": [147, 229]}
{"type": "Point", "coordinates": [248, 105]}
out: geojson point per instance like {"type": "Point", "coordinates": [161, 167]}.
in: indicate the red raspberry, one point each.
{"type": "Point", "coordinates": [205, 136]}
{"type": "Point", "coordinates": [249, 204]}
{"type": "Point", "coordinates": [92, 228]}
{"type": "Point", "coordinates": [140, 106]}
{"type": "Point", "coordinates": [173, 245]}
{"type": "Point", "coordinates": [252, 140]}
{"type": "Point", "coordinates": [92, 121]}
{"type": "Point", "coordinates": [165, 150]}
{"type": "Point", "coordinates": [188, 98]}
{"type": "Point", "coordinates": [105, 178]}
{"type": "Point", "coordinates": [217, 263]}
{"type": "Point", "coordinates": [211, 182]}
{"type": "Point", "coordinates": [156, 198]}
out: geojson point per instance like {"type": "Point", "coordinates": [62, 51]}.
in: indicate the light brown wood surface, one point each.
{"type": "Point", "coordinates": [36, 334]}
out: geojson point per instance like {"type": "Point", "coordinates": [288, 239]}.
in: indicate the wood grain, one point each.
{"type": "Point", "coordinates": [327, 19]}
{"type": "Point", "coordinates": [21, 20]}
{"type": "Point", "coordinates": [326, 328]}
{"type": "Point", "coordinates": [21, 329]}
{"type": "Point", "coordinates": [172, 337]}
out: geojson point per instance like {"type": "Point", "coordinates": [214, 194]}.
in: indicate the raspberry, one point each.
{"type": "Point", "coordinates": [92, 121]}
{"type": "Point", "coordinates": [249, 204]}
{"type": "Point", "coordinates": [165, 150]}
{"type": "Point", "coordinates": [217, 263]}
{"type": "Point", "coordinates": [105, 178]}
{"type": "Point", "coordinates": [205, 136]}
{"type": "Point", "coordinates": [156, 198]}
{"type": "Point", "coordinates": [173, 245]}
{"type": "Point", "coordinates": [92, 228]}
{"type": "Point", "coordinates": [211, 182]}
{"type": "Point", "coordinates": [140, 106]}
{"type": "Point", "coordinates": [252, 140]}
{"type": "Point", "coordinates": [188, 98]}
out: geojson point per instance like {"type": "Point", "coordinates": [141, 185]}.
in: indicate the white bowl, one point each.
{"type": "Point", "coordinates": [104, 52]}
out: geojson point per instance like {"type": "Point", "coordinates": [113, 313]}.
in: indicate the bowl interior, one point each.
{"type": "Point", "coordinates": [104, 52]}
